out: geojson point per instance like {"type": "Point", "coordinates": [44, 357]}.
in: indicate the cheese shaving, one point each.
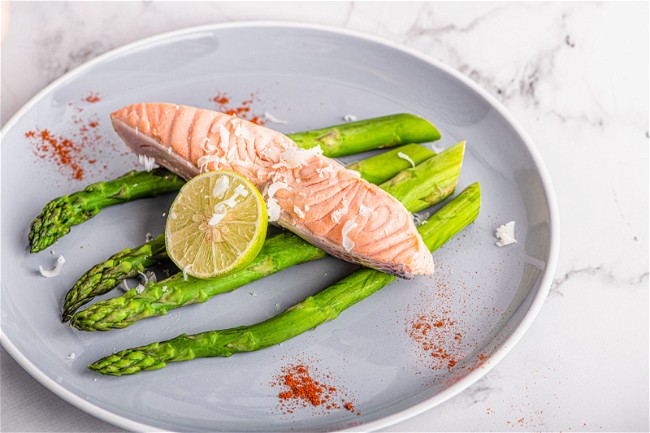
{"type": "Point", "coordinates": [240, 191]}
{"type": "Point", "coordinates": [337, 214]}
{"type": "Point", "coordinates": [271, 118]}
{"type": "Point", "coordinates": [406, 157]}
{"type": "Point", "coordinates": [220, 212]}
{"type": "Point", "coordinates": [205, 160]}
{"type": "Point", "coordinates": [348, 244]}
{"type": "Point", "coordinates": [207, 145]}
{"type": "Point", "coordinates": [49, 273]}
{"type": "Point", "coordinates": [505, 234]}
{"type": "Point", "coordinates": [220, 187]}
{"type": "Point", "coordinates": [295, 157]}
{"type": "Point", "coordinates": [298, 212]}
{"type": "Point", "coordinates": [275, 186]}
{"type": "Point", "coordinates": [224, 134]}
{"type": "Point", "coordinates": [273, 209]}
{"type": "Point", "coordinates": [148, 162]}
{"type": "Point", "coordinates": [242, 132]}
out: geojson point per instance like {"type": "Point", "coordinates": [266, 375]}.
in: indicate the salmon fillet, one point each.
{"type": "Point", "coordinates": [307, 193]}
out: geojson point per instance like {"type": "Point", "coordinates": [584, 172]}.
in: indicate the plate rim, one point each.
{"type": "Point", "coordinates": [506, 346]}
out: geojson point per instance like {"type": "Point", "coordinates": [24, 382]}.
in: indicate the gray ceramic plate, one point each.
{"type": "Point", "coordinates": [485, 296]}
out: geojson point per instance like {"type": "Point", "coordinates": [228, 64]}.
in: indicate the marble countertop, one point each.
{"type": "Point", "coordinates": [575, 75]}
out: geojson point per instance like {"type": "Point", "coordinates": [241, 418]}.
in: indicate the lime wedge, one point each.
{"type": "Point", "coordinates": [216, 225]}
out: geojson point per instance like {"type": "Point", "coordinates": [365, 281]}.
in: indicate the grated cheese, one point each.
{"type": "Point", "coordinates": [295, 157]}
{"type": "Point", "coordinates": [220, 212]}
{"type": "Point", "coordinates": [148, 162]}
{"type": "Point", "coordinates": [49, 273]}
{"type": "Point", "coordinates": [273, 209]}
{"type": "Point", "coordinates": [505, 234]}
{"type": "Point", "coordinates": [337, 214]}
{"type": "Point", "coordinates": [220, 187]}
{"type": "Point", "coordinates": [240, 190]}
{"type": "Point", "coordinates": [224, 134]}
{"type": "Point", "coordinates": [242, 132]}
{"type": "Point", "coordinates": [205, 160]}
{"type": "Point", "coordinates": [298, 212]}
{"type": "Point", "coordinates": [348, 244]}
{"type": "Point", "coordinates": [273, 119]}
{"type": "Point", "coordinates": [406, 157]}
{"type": "Point", "coordinates": [275, 186]}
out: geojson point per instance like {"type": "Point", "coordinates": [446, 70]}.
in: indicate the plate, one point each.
{"type": "Point", "coordinates": [482, 297]}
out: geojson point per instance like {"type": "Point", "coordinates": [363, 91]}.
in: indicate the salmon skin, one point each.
{"type": "Point", "coordinates": [307, 193]}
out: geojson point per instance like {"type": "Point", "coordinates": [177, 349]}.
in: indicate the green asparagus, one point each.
{"type": "Point", "coordinates": [400, 158]}
{"type": "Point", "coordinates": [158, 298]}
{"type": "Point", "coordinates": [127, 263]}
{"type": "Point", "coordinates": [419, 188]}
{"type": "Point", "coordinates": [106, 275]}
{"type": "Point", "coordinates": [60, 214]}
{"type": "Point", "coordinates": [365, 135]}
{"type": "Point", "coordinates": [308, 314]}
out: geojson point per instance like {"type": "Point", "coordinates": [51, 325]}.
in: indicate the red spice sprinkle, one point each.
{"type": "Point", "coordinates": [73, 153]}
{"type": "Point", "coordinates": [61, 150]}
{"type": "Point", "coordinates": [92, 98]}
{"type": "Point", "coordinates": [303, 390]}
{"type": "Point", "coordinates": [243, 110]}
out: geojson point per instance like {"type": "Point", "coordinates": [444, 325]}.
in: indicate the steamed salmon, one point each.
{"type": "Point", "coordinates": [307, 193]}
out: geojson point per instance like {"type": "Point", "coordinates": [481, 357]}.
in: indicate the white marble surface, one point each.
{"type": "Point", "coordinates": [575, 75]}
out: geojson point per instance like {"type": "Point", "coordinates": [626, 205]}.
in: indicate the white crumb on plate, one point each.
{"type": "Point", "coordinates": [72, 355]}
{"type": "Point", "coordinates": [271, 118]}
{"type": "Point", "coordinates": [505, 234]}
{"type": "Point", "coordinates": [350, 118]}
{"type": "Point", "coordinates": [49, 273]}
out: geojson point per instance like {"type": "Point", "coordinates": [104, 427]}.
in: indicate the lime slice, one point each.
{"type": "Point", "coordinates": [216, 225]}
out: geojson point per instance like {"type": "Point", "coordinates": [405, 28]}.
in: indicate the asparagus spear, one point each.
{"type": "Point", "coordinates": [126, 264]}
{"type": "Point", "coordinates": [158, 298]}
{"type": "Point", "coordinates": [364, 135]}
{"type": "Point", "coordinates": [62, 213]}
{"type": "Point", "coordinates": [418, 188]}
{"type": "Point", "coordinates": [102, 277]}
{"type": "Point", "coordinates": [373, 169]}
{"type": "Point", "coordinates": [308, 314]}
